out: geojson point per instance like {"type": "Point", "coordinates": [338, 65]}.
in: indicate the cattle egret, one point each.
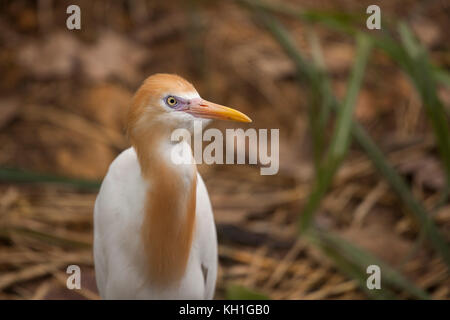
{"type": "Point", "coordinates": [154, 232]}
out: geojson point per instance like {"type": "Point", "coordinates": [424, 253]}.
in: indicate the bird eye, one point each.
{"type": "Point", "coordinates": [171, 101]}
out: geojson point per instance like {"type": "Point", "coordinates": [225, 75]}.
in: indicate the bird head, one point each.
{"type": "Point", "coordinates": [167, 101]}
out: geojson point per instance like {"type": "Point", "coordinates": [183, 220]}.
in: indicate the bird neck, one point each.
{"type": "Point", "coordinates": [169, 219]}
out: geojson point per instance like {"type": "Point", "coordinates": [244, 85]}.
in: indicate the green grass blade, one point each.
{"type": "Point", "coordinates": [340, 144]}
{"type": "Point", "coordinates": [399, 185]}
{"type": "Point", "coordinates": [45, 237]}
{"type": "Point", "coordinates": [320, 101]}
{"type": "Point", "coordinates": [24, 176]}
{"type": "Point", "coordinates": [339, 20]}
{"type": "Point", "coordinates": [350, 268]}
{"type": "Point", "coordinates": [422, 76]}
{"type": "Point", "coordinates": [237, 292]}
{"type": "Point", "coordinates": [341, 136]}
{"type": "Point", "coordinates": [359, 260]}
{"type": "Point", "coordinates": [308, 74]}
{"type": "Point", "coordinates": [441, 76]}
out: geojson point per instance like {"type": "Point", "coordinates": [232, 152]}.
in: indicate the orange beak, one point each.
{"type": "Point", "coordinates": [210, 110]}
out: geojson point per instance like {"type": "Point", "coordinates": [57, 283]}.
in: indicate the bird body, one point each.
{"type": "Point", "coordinates": [117, 240]}
{"type": "Point", "coordinates": [154, 232]}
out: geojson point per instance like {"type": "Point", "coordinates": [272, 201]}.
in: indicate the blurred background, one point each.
{"type": "Point", "coordinates": [364, 139]}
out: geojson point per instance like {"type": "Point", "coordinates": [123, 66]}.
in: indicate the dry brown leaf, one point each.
{"type": "Point", "coordinates": [61, 54]}
{"type": "Point", "coordinates": [54, 57]}
{"type": "Point", "coordinates": [113, 56]}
